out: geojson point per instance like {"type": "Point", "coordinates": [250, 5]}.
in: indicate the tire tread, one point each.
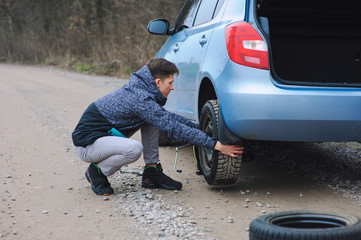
{"type": "Point", "coordinates": [228, 168]}
{"type": "Point", "coordinates": [262, 229]}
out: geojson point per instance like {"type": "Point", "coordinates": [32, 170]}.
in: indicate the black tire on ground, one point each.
{"type": "Point", "coordinates": [305, 225]}
{"type": "Point", "coordinates": [163, 139]}
{"type": "Point", "coordinates": [217, 168]}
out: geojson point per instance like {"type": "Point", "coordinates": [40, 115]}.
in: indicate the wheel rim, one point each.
{"type": "Point", "coordinates": [207, 153]}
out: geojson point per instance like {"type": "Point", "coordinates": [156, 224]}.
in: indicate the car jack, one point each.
{"type": "Point", "coordinates": [176, 157]}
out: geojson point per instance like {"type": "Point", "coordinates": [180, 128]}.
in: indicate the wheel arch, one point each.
{"type": "Point", "coordinates": [207, 92]}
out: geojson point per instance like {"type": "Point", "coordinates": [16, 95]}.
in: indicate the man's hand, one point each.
{"type": "Point", "coordinates": [230, 150]}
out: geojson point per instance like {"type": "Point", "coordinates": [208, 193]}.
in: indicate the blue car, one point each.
{"type": "Point", "coordinates": [275, 70]}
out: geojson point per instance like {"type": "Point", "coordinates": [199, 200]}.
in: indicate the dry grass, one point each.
{"type": "Point", "coordinates": [100, 36]}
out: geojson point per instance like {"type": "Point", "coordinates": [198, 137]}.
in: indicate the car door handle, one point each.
{"type": "Point", "coordinates": [203, 40]}
{"type": "Point", "coordinates": [176, 48]}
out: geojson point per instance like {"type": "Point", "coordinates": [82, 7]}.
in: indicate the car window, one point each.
{"type": "Point", "coordinates": [218, 7]}
{"type": "Point", "coordinates": [187, 16]}
{"type": "Point", "coordinates": [205, 11]}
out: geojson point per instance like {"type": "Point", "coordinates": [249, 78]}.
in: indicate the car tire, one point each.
{"type": "Point", "coordinates": [216, 167]}
{"type": "Point", "coordinates": [163, 139]}
{"type": "Point", "coordinates": [306, 225]}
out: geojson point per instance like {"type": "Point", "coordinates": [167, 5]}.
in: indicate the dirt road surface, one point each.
{"type": "Point", "coordinates": [44, 194]}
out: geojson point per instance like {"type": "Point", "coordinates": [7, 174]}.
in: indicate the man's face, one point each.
{"type": "Point", "coordinates": [166, 85]}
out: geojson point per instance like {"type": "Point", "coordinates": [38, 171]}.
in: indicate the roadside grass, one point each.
{"type": "Point", "coordinates": [112, 68]}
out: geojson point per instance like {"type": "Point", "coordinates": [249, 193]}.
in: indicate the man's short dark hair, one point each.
{"type": "Point", "coordinates": [161, 68]}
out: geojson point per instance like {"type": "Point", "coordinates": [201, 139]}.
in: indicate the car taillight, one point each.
{"type": "Point", "coordinates": [245, 46]}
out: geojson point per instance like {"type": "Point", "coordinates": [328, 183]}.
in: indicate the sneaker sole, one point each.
{"type": "Point", "coordinates": [92, 187]}
{"type": "Point", "coordinates": [163, 186]}
{"type": "Point", "coordinates": [169, 187]}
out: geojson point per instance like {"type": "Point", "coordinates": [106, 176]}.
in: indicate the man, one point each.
{"type": "Point", "coordinates": [102, 134]}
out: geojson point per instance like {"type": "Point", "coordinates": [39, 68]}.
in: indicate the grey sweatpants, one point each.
{"type": "Point", "coordinates": [111, 152]}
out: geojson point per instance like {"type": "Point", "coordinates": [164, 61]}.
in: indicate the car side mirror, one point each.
{"type": "Point", "coordinates": [159, 27]}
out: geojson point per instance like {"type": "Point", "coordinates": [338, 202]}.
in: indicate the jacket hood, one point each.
{"type": "Point", "coordinates": [143, 80]}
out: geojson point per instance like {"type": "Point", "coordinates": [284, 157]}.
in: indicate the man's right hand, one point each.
{"type": "Point", "coordinates": [230, 150]}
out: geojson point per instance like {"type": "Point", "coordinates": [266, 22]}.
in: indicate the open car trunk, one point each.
{"type": "Point", "coordinates": [313, 42]}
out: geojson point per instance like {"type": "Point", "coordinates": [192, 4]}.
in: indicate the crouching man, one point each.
{"type": "Point", "coordinates": [102, 136]}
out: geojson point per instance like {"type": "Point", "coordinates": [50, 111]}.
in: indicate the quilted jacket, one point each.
{"type": "Point", "coordinates": [128, 108]}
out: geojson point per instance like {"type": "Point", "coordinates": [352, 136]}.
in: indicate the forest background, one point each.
{"type": "Point", "coordinates": [107, 37]}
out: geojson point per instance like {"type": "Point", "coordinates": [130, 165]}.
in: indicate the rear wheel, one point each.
{"type": "Point", "coordinates": [216, 167]}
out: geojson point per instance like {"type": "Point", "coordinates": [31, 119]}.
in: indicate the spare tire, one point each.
{"type": "Point", "coordinates": [305, 225]}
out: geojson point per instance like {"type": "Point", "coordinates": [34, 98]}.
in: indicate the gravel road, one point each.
{"type": "Point", "coordinates": [44, 193]}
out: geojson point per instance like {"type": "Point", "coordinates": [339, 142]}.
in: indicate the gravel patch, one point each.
{"type": "Point", "coordinates": [150, 212]}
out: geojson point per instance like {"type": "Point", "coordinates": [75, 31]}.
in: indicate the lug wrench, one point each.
{"type": "Point", "coordinates": [176, 156]}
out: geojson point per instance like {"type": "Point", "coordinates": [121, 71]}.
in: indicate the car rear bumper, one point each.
{"type": "Point", "coordinates": [255, 107]}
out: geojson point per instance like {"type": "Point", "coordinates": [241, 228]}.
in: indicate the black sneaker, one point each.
{"type": "Point", "coordinates": [153, 177]}
{"type": "Point", "coordinates": [99, 182]}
